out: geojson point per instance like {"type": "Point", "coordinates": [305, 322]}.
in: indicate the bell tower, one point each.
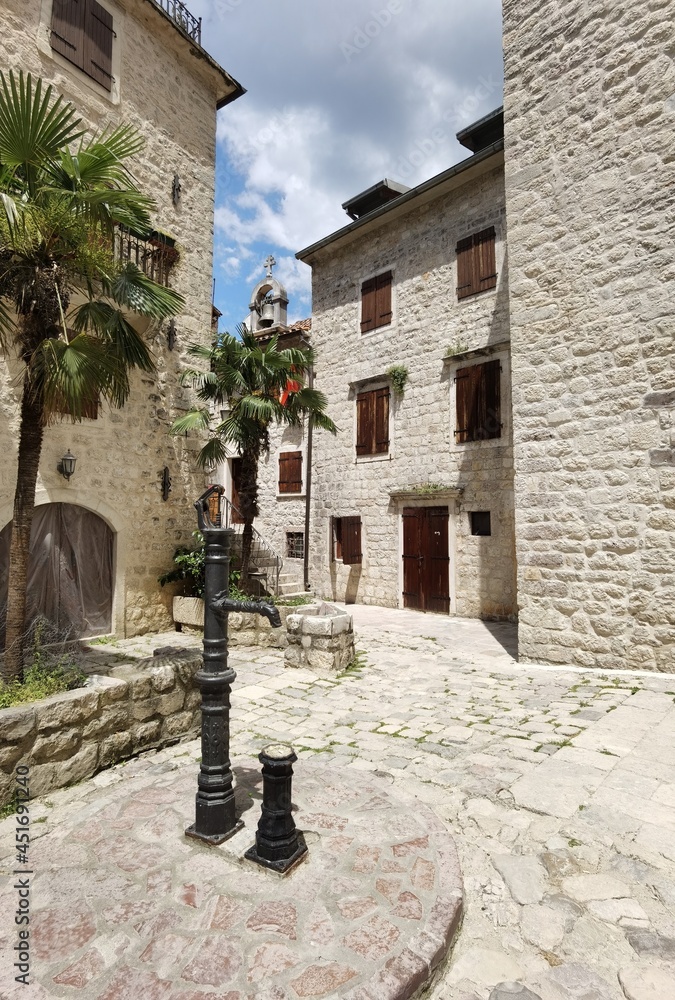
{"type": "Point", "coordinates": [268, 307]}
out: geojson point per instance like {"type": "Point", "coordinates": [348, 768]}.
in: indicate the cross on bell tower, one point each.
{"type": "Point", "coordinates": [269, 264]}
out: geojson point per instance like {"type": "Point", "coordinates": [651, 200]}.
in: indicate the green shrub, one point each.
{"type": "Point", "coordinates": [47, 674]}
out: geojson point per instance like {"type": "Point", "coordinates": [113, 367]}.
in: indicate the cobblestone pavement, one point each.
{"type": "Point", "coordinates": [557, 784]}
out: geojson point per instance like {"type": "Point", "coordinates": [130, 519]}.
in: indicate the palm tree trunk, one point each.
{"type": "Point", "coordinates": [248, 500]}
{"type": "Point", "coordinates": [31, 433]}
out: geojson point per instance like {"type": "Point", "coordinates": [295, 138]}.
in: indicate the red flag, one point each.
{"type": "Point", "coordinates": [291, 386]}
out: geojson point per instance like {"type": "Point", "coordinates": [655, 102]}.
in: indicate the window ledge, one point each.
{"type": "Point", "coordinates": [365, 459]}
{"type": "Point", "coordinates": [291, 496]}
{"type": "Point", "coordinates": [478, 352]}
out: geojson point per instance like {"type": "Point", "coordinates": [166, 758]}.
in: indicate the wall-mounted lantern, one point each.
{"type": "Point", "coordinates": [67, 465]}
{"type": "Point", "coordinates": [171, 334]}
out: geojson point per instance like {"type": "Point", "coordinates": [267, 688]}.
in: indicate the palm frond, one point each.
{"type": "Point", "coordinates": [32, 128]}
{"type": "Point", "coordinates": [115, 332]}
{"type": "Point", "coordinates": [131, 289]}
{"type": "Point", "coordinates": [213, 453]}
{"type": "Point", "coordinates": [67, 376]}
{"type": "Point", "coordinates": [195, 420]}
{"type": "Point", "coordinates": [258, 408]}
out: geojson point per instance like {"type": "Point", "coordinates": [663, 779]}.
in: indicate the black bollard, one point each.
{"type": "Point", "coordinates": [278, 844]}
{"type": "Point", "coordinates": [215, 818]}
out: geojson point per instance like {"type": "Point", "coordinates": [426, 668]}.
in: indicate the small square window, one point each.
{"type": "Point", "coordinates": [480, 522]}
{"type": "Point", "coordinates": [295, 545]}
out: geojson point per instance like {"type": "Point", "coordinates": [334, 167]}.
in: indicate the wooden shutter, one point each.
{"type": "Point", "coordinates": [351, 541]}
{"type": "Point", "coordinates": [67, 37]}
{"type": "Point", "coordinates": [464, 268]}
{"type": "Point", "coordinates": [98, 44]}
{"type": "Point", "coordinates": [365, 423]}
{"type": "Point", "coordinates": [484, 257]}
{"type": "Point", "coordinates": [290, 472]}
{"type": "Point", "coordinates": [336, 538]}
{"type": "Point", "coordinates": [383, 300]}
{"type": "Point", "coordinates": [464, 396]}
{"type": "Point", "coordinates": [491, 399]}
{"type": "Point", "coordinates": [368, 305]}
{"type": "Point", "coordinates": [381, 421]}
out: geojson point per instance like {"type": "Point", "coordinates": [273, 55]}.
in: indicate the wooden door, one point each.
{"type": "Point", "coordinates": [426, 560]}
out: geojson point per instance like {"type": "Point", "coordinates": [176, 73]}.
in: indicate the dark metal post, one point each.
{"type": "Point", "coordinates": [215, 818]}
{"type": "Point", "coordinates": [278, 844]}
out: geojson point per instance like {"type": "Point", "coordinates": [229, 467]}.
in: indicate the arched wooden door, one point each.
{"type": "Point", "coordinates": [70, 571]}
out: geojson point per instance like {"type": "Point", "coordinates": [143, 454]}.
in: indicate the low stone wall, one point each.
{"type": "Point", "coordinates": [70, 736]}
{"type": "Point", "coordinates": [320, 637]}
{"type": "Point", "coordinates": [243, 629]}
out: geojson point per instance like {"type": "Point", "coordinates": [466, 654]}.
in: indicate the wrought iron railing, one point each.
{"type": "Point", "coordinates": [181, 16]}
{"type": "Point", "coordinates": [265, 565]}
{"type": "Point", "coordinates": [155, 256]}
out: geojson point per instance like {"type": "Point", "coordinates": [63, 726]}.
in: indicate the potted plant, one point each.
{"type": "Point", "coordinates": [188, 572]}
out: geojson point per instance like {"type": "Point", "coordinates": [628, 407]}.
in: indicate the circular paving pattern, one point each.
{"type": "Point", "coordinates": [125, 907]}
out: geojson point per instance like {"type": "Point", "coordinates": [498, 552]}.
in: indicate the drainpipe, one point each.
{"type": "Point", "coordinates": [308, 487]}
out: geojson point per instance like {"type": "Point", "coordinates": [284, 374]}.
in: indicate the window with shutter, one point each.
{"type": "Point", "coordinates": [347, 540]}
{"type": "Point", "coordinates": [376, 302]}
{"type": "Point", "coordinates": [478, 402]}
{"type": "Point", "coordinates": [290, 472]}
{"type": "Point", "coordinates": [372, 422]}
{"type": "Point", "coordinates": [476, 263]}
{"type": "Point", "coordinates": [82, 31]}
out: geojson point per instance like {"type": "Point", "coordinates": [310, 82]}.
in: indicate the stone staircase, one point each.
{"type": "Point", "coordinates": [291, 579]}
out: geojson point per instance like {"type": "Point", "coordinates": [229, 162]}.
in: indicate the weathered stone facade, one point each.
{"type": "Point", "coordinates": [432, 335]}
{"type": "Point", "coordinates": [70, 736]}
{"type": "Point", "coordinates": [166, 86]}
{"type": "Point", "coordinates": [590, 191]}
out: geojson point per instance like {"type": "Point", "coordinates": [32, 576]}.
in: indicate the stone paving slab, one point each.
{"type": "Point", "coordinates": [443, 709]}
{"type": "Point", "coordinates": [124, 907]}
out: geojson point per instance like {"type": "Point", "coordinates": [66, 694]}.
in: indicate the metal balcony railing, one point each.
{"type": "Point", "coordinates": [181, 16]}
{"type": "Point", "coordinates": [154, 256]}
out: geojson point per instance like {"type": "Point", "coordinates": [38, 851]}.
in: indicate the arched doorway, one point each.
{"type": "Point", "coordinates": [70, 572]}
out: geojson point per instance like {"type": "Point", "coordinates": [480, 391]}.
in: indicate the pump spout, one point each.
{"type": "Point", "coordinates": [222, 605]}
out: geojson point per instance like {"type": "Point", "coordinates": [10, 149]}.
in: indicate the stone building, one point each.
{"type": "Point", "coordinates": [590, 199]}
{"type": "Point", "coordinates": [127, 61]}
{"type": "Point", "coordinates": [412, 502]}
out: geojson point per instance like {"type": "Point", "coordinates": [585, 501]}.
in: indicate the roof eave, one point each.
{"type": "Point", "coordinates": [401, 202]}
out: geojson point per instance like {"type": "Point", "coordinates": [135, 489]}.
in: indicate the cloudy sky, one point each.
{"type": "Point", "coordinates": [340, 95]}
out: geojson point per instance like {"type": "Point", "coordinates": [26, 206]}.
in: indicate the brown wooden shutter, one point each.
{"type": "Point", "coordinates": [368, 305]}
{"type": "Point", "coordinates": [98, 44]}
{"type": "Point", "coordinates": [383, 299]}
{"type": "Point", "coordinates": [464, 392]}
{"type": "Point", "coordinates": [365, 423]}
{"type": "Point", "coordinates": [351, 541]}
{"type": "Point", "coordinates": [381, 420]}
{"type": "Point", "coordinates": [485, 259]}
{"type": "Point", "coordinates": [465, 268]}
{"type": "Point", "coordinates": [336, 538]}
{"type": "Point", "coordinates": [491, 417]}
{"type": "Point", "coordinates": [290, 472]}
{"type": "Point", "coordinates": [67, 37]}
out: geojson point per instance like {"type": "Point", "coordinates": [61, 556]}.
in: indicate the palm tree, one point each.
{"type": "Point", "coordinates": [64, 298]}
{"type": "Point", "coordinates": [251, 380]}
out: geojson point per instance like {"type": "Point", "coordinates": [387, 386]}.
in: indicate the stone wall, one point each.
{"type": "Point", "coordinates": [590, 193]}
{"type": "Point", "coordinates": [432, 334]}
{"type": "Point", "coordinates": [71, 736]}
{"type": "Point", "coordinates": [170, 96]}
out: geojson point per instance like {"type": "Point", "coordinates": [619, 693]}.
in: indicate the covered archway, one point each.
{"type": "Point", "coordinates": [70, 572]}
